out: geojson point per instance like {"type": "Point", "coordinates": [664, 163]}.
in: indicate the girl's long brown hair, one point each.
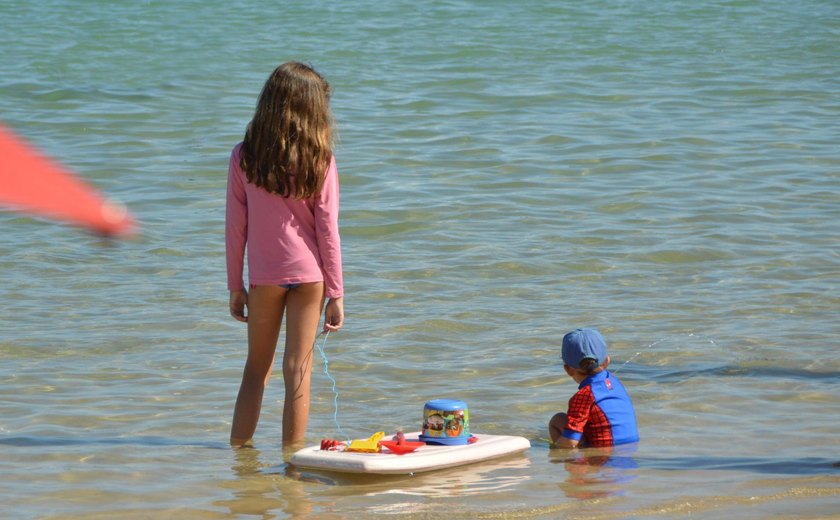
{"type": "Point", "coordinates": [288, 143]}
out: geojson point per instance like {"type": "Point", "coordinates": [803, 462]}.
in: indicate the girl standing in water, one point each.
{"type": "Point", "coordinates": [282, 203]}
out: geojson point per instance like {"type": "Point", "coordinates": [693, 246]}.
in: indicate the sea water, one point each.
{"type": "Point", "coordinates": [666, 171]}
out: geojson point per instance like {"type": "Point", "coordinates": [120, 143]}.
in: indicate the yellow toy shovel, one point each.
{"type": "Point", "coordinates": [370, 445]}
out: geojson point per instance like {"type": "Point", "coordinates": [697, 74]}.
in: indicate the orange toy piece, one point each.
{"type": "Point", "coordinates": [32, 182]}
{"type": "Point", "coordinates": [401, 448]}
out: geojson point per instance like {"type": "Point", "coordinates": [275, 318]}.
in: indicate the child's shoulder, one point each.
{"type": "Point", "coordinates": [236, 155]}
{"type": "Point", "coordinates": [612, 382]}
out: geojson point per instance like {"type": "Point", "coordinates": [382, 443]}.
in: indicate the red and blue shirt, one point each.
{"type": "Point", "coordinates": [601, 413]}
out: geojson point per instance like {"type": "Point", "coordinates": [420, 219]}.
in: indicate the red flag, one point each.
{"type": "Point", "coordinates": [32, 182]}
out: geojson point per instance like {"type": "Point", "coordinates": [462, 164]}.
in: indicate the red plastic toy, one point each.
{"type": "Point", "coordinates": [331, 444]}
{"type": "Point", "coordinates": [401, 448]}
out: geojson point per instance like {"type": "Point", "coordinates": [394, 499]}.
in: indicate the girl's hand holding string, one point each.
{"type": "Point", "coordinates": [334, 315]}
{"type": "Point", "coordinates": [238, 302]}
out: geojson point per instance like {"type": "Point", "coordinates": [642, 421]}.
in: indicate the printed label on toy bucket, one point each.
{"type": "Point", "coordinates": [446, 421]}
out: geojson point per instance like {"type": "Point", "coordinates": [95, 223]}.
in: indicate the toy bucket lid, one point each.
{"type": "Point", "coordinates": [446, 404]}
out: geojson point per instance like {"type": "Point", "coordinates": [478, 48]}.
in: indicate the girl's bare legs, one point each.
{"type": "Point", "coordinates": [265, 315]}
{"type": "Point", "coordinates": [303, 312]}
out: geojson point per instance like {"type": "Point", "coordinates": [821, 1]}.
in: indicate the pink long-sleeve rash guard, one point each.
{"type": "Point", "coordinates": [289, 241]}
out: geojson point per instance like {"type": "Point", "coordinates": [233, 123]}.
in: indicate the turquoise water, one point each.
{"type": "Point", "coordinates": [665, 171]}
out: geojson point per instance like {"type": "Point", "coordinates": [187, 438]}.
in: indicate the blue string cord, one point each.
{"type": "Point", "coordinates": [320, 347]}
{"type": "Point", "coordinates": [657, 342]}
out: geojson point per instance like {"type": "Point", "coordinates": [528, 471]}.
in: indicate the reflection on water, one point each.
{"type": "Point", "coordinates": [474, 479]}
{"type": "Point", "coordinates": [596, 472]}
{"type": "Point", "coordinates": [264, 490]}
{"type": "Point", "coordinates": [264, 494]}
{"type": "Point", "coordinates": [412, 495]}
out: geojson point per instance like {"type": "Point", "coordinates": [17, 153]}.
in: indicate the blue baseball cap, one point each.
{"type": "Point", "coordinates": [581, 344]}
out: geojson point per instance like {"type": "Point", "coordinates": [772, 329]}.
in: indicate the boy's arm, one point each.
{"type": "Point", "coordinates": [565, 442]}
{"type": "Point", "coordinates": [556, 427]}
{"type": "Point", "coordinates": [579, 406]}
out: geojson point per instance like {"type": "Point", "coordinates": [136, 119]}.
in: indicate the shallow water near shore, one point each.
{"type": "Point", "coordinates": [665, 171]}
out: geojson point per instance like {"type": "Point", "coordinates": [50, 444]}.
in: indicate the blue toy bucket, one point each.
{"type": "Point", "coordinates": [446, 421]}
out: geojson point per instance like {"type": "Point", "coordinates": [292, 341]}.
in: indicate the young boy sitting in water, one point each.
{"type": "Point", "coordinates": [600, 413]}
